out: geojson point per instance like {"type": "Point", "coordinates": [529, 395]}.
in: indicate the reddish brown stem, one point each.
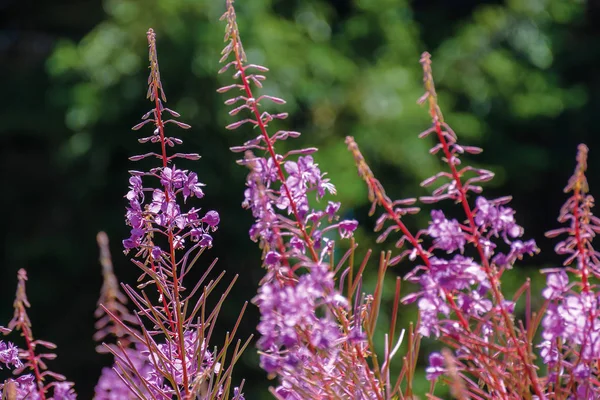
{"type": "Point", "coordinates": [34, 365]}
{"type": "Point", "coordinates": [177, 311]}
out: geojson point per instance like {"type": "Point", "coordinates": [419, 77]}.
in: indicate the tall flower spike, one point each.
{"type": "Point", "coordinates": [172, 359]}
{"type": "Point", "coordinates": [111, 299]}
{"type": "Point", "coordinates": [571, 324]}
{"type": "Point", "coordinates": [485, 222]}
{"type": "Point", "coordinates": [308, 338]}
{"type": "Point", "coordinates": [460, 298]}
{"type": "Point", "coordinates": [40, 383]}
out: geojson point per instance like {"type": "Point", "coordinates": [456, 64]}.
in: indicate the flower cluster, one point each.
{"type": "Point", "coordinates": [9, 355]}
{"type": "Point", "coordinates": [468, 288]}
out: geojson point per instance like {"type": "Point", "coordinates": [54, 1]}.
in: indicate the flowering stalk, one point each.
{"type": "Point", "coordinates": [112, 306]}
{"type": "Point", "coordinates": [460, 287]}
{"type": "Point", "coordinates": [30, 386]}
{"type": "Point", "coordinates": [571, 321]}
{"type": "Point", "coordinates": [314, 356]}
{"type": "Point", "coordinates": [394, 213]}
{"type": "Point", "coordinates": [457, 191]}
{"type": "Point", "coordinates": [172, 357]}
{"type": "Point", "coordinates": [111, 299]}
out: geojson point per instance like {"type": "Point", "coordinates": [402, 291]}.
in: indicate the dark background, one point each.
{"type": "Point", "coordinates": [518, 78]}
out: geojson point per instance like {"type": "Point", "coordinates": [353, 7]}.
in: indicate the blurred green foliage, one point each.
{"type": "Point", "coordinates": [515, 77]}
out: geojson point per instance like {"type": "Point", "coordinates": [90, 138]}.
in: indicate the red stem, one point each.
{"type": "Point", "coordinates": [34, 364]}
{"type": "Point", "coordinates": [177, 311]}
{"type": "Point", "coordinates": [580, 243]}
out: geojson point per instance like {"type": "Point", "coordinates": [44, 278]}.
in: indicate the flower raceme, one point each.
{"type": "Point", "coordinates": [162, 215]}
{"type": "Point", "coordinates": [40, 383]}
{"type": "Point", "coordinates": [309, 339]}
{"type": "Point", "coordinates": [459, 300]}
{"type": "Point", "coordinates": [570, 326]}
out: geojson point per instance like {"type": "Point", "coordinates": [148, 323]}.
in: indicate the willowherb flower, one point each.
{"type": "Point", "coordinates": [447, 234]}
{"type": "Point", "coordinates": [571, 324]}
{"type": "Point", "coordinates": [9, 355]}
{"type": "Point", "coordinates": [459, 298]}
{"type": "Point", "coordinates": [310, 337]}
{"type": "Point", "coordinates": [162, 351]}
{"type": "Point", "coordinates": [436, 366]}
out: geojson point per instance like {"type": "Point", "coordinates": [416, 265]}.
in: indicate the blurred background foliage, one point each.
{"type": "Point", "coordinates": [516, 77]}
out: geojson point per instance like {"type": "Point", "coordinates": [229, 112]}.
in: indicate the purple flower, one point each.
{"type": "Point", "coordinates": [448, 234]}
{"type": "Point", "coordinates": [211, 218]}
{"type": "Point", "coordinates": [135, 240]}
{"type": "Point", "coordinates": [134, 215]}
{"type": "Point", "coordinates": [306, 174]}
{"type": "Point", "coordinates": [553, 323]}
{"type": "Point", "coordinates": [556, 285]}
{"type": "Point", "coordinates": [436, 366]}
{"type": "Point", "coordinates": [456, 274]}
{"type": "Point", "coordinates": [430, 306]}
{"type": "Point", "coordinates": [206, 240]}
{"type": "Point", "coordinates": [9, 355]}
{"type": "Point", "coordinates": [272, 258]}
{"type": "Point", "coordinates": [237, 394]}
{"type": "Point", "coordinates": [460, 276]}
{"type": "Point", "coordinates": [548, 352]}
{"type": "Point", "coordinates": [26, 388]}
{"type": "Point", "coordinates": [332, 208]}
{"type": "Point", "coordinates": [192, 187]}
{"type": "Point", "coordinates": [518, 249]}
{"type": "Point", "coordinates": [135, 186]}
{"type": "Point", "coordinates": [64, 391]}
{"type": "Point", "coordinates": [111, 387]}
{"type": "Point", "coordinates": [156, 252]}
{"type": "Point", "coordinates": [347, 227]}
{"type": "Point", "coordinates": [172, 178]}
{"type": "Point", "coordinates": [498, 219]}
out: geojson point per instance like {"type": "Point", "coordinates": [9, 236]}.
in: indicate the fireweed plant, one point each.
{"type": "Point", "coordinates": [317, 326]}
{"type": "Point", "coordinates": [170, 356]}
